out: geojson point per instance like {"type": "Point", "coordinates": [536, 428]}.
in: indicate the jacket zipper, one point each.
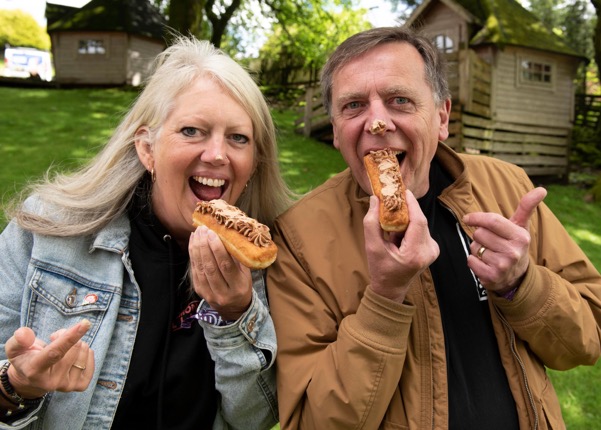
{"type": "Point", "coordinates": [515, 353]}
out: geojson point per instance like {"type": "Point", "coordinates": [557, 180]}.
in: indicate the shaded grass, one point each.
{"type": "Point", "coordinates": [305, 163]}
{"type": "Point", "coordinates": [40, 128]}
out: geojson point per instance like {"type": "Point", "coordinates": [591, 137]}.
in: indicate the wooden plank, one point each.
{"type": "Point", "coordinates": [478, 133]}
{"type": "Point", "coordinates": [477, 109]}
{"type": "Point", "coordinates": [517, 128]}
{"type": "Point", "coordinates": [545, 171]}
{"type": "Point", "coordinates": [528, 149]}
{"type": "Point", "coordinates": [505, 136]}
{"type": "Point", "coordinates": [481, 145]}
{"type": "Point", "coordinates": [525, 160]}
{"type": "Point", "coordinates": [475, 121]}
{"type": "Point", "coordinates": [455, 127]}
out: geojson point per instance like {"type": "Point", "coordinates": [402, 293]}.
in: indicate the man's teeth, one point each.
{"type": "Point", "coordinates": [210, 181]}
{"type": "Point", "coordinates": [396, 152]}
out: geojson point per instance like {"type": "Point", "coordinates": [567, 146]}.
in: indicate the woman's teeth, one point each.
{"type": "Point", "coordinates": [209, 181]}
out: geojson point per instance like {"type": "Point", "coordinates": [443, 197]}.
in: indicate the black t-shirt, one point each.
{"type": "Point", "coordinates": [170, 383]}
{"type": "Point", "coordinates": [479, 394]}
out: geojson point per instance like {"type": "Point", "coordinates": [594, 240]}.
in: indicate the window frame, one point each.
{"type": "Point", "coordinates": [523, 81]}
{"type": "Point", "coordinates": [96, 43]}
{"type": "Point", "coordinates": [446, 49]}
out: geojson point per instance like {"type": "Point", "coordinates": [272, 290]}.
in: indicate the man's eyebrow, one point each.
{"type": "Point", "coordinates": [397, 90]}
{"type": "Point", "coordinates": [349, 96]}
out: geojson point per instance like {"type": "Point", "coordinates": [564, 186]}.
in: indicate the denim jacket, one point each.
{"type": "Point", "coordinates": [43, 282]}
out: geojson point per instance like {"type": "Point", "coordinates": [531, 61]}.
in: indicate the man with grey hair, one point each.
{"type": "Point", "coordinates": [451, 323]}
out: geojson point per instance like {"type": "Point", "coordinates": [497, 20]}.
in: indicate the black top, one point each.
{"type": "Point", "coordinates": [171, 381]}
{"type": "Point", "coordinates": [479, 394]}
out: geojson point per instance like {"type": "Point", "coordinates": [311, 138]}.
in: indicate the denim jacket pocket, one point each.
{"type": "Point", "coordinates": [60, 299]}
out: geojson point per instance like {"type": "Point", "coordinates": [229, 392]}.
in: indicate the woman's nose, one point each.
{"type": "Point", "coordinates": [215, 151]}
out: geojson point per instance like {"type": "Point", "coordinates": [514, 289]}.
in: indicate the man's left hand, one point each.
{"type": "Point", "coordinates": [499, 252]}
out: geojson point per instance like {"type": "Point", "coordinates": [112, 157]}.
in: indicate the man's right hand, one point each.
{"type": "Point", "coordinates": [393, 260]}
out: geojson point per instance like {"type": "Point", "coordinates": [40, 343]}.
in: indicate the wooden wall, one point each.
{"type": "Point", "coordinates": [126, 60]}
{"type": "Point", "coordinates": [525, 104]}
{"type": "Point", "coordinates": [140, 56]}
{"type": "Point", "coordinates": [540, 148]}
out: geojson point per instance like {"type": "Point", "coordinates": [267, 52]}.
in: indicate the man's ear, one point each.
{"type": "Point", "coordinates": [144, 147]}
{"type": "Point", "coordinates": [336, 143]}
{"type": "Point", "coordinates": [445, 114]}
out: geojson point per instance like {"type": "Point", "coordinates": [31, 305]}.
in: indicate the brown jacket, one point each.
{"type": "Point", "coordinates": [350, 359]}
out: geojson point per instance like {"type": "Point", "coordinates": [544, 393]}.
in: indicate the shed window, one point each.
{"type": "Point", "coordinates": [540, 73]}
{"type": "Point", "coordinates": [443, 43]}
{"type": "Point", "coordinates": [91, 46]}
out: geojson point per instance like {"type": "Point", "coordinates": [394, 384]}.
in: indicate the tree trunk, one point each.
{"type": "Point", "coordinates": [185, 16]}
{"type": "Point", "coordinates": [597, 35]}
{"type": "Point", "coordinates": [219, 23]}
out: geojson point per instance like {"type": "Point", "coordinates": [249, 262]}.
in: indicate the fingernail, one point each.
{"type": "Point", "coordinates": [84, 325]}
{"type": "Point", "coordinates": [212, 235]}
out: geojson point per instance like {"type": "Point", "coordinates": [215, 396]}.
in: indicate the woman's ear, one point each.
{"type": "Point", "coordinates": [144, 147]}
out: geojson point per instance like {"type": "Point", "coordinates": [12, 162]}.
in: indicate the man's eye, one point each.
{"type": "Point", "coordinates": [401, 100]}
{"type": "Point", "coordinates": [239, 138]}
{"type": "Point", "coordinates": [353, 105]}
{"type": "Point", "coordinates": [189, 131]}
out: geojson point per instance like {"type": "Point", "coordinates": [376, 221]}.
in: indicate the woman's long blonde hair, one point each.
{"type": "Point", "coordinates": [85, 201]}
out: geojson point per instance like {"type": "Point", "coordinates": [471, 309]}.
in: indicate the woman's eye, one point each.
{"type": "Point", "coordinates": [189, 131]}
{"type": "Point", "coordinates": [239, 138]}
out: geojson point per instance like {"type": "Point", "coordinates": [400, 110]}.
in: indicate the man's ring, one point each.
{"type": "Point", "coordinates": [480, 252]}
{"type": "Point", "coordinates": [82, 368]}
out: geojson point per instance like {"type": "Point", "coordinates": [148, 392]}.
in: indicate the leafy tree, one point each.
{"type": "Point", "coordinates": [211, 19]}
{"type": "Point", "coordinates": [18, 28]}
{"type": "Point", "coordinates": [203, 18]}
{"type": "Point", "coordinates": [296, 50]}
{"type": "Point", "coordinates": [597, 33]}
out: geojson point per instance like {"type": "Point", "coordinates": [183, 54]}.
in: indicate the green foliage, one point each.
{"type": "Point", "coordinates": [298, 45]}
{"type": "Point", "coordinates": [305, 163]}
{"type": "Point", "coordinates": [18, 28]}
{"type": "Point", "coordinates": [585, 151]}
{"type": "Point", "coordinates": [595, 190]}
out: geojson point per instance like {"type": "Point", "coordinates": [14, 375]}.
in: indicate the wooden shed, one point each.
{"type": "Point", "coordinates": [512, 81]}
{"type": "Point", "coordinates": [105, 42]}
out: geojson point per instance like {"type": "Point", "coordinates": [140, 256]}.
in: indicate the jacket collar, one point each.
{"type": "Point", "coordinates": [114, 237]}
{"type": "Point", "coordinates": [459, 196]}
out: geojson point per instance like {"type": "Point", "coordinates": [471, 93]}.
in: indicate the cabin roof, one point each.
{"type": "Point", "coordinates": [504, 22]}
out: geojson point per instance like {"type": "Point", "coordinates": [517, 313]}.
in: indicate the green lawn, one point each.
{"type": "Point", "coordinates": [40, 128]}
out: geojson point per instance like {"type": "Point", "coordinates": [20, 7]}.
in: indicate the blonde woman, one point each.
{"type": "Point", "coordinates": [101, 329]}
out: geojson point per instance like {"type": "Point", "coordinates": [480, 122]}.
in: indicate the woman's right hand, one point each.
{"type": "Point", "coordinates": [65, 364]}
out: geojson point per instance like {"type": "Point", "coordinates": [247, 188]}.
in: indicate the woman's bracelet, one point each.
{"type": "Point", "coordinates": [12, 396]}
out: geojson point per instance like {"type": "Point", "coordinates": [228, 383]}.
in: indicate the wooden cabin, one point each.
{"type": "Point", "coordinates": [512, 83]}
{"type": "Point", "coordinates": [105, 42]}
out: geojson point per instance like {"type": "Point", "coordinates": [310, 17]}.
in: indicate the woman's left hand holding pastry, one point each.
{"type": "Point", "coordinates": [217, 277]}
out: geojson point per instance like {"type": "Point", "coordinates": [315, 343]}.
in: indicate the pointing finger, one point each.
{"type": "Point", "coordinates": [59, 347]}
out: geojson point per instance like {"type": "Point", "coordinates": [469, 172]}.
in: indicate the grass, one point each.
{"type": "Point", "coordinates": [64, 128]}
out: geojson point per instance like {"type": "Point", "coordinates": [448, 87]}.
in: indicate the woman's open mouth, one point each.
{"type": "Point", "coordinates": [205, 188]}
